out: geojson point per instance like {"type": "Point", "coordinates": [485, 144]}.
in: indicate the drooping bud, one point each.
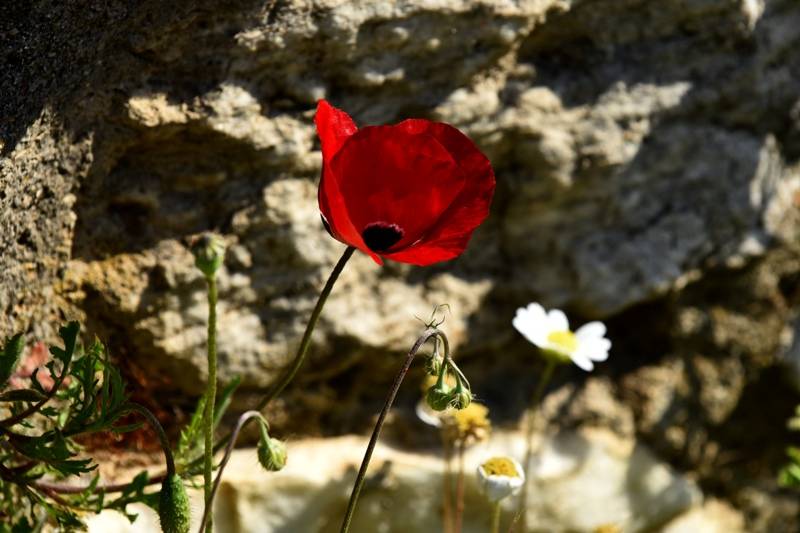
{"type": "Point", "coordinates": [173, 506]}
{"type": "Point", "coordinates": [209, 253]}
{"type": "Point", "coordinates": [438, 397]}
{"type": "Point", "coordinates": [433, 365]}
{"type": "Point", "coordinates": [271, 452]}
{"type": "Point", "coordinates": [461, 397]}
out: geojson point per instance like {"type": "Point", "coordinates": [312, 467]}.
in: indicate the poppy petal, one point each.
{"type": "Point", "coordinates": [449, 237]}
{"type": "Point", "coordinates": [395, 180]}
{"type": "Point", "coordinates": [334, 126]}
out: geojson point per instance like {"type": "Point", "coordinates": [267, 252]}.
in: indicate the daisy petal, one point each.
{"type": "Point", "coordinates": [532, 329]}
{"type": "Point", "coordinates": [595, 349]}
{"type": "Point", "coordinates": [592, 330]}
{"type": "Point", "coordinates": [557, 320]}
{"type": "Point", "coordinates": [535, 309]}
{"type": "Point", "coordinates": [583, 362]}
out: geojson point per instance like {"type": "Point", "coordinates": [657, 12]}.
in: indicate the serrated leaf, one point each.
{"type": "Point", "coordinates": [35, 384]}
{"type": "Point", "coordinates": [49, 411]}
{"type": "Point", "coordinates": [224, 399]}
{"type": "Point", "coordinates": [190, 435]}
{"type": "Point", "coordinates": [9, 357]}
{"type": "Point", "coordinates": [69, 334]}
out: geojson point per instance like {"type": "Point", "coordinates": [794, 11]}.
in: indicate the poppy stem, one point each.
{"type": "Point", "coordinates": [300, 356]}
{"type": "Point", "coordinates": [243, 419]}
{"type": "Point", "coordinates": [211, 394]}
{"type": "Point", "coordinates": [398, 380]}
{"type": "Point", "coordinates": [159, 429]}
{"type": "Point", "coordinates": [544, 379]}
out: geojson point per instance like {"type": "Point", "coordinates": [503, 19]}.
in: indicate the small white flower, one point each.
{"type": "Point", "coordinates": [428, 415]}
{"type": "Point", "coordinates": [550, 331]}
{"type": "Point", "coordinates": [500, 477]}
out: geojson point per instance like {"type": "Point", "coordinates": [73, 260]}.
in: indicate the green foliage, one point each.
{"type": "Point", "coordinates": [790, 474]}
{"type": "Point", "coordinates": [83, 394]}
{"type": "Point", "coordinates": [189, 452]}
{"type": "Point", "coordinates": [9, 357]}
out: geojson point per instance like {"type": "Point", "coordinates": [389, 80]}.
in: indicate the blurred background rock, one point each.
{"type": "Point", "coordinates": [648, 164]}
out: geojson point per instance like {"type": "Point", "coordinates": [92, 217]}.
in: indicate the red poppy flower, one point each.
{"type": "Point", "coordinates": [413, 192]}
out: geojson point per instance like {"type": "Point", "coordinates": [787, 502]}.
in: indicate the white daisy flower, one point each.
{"type": "Point", "coordinates": [428, 415]}
{"type": "Point", "coordinates": [550, 332]}
{"type": "Point", "coordinates": [500, 477]}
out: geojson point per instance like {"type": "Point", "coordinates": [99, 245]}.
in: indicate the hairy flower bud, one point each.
{"type": "Point", "coordinates": [173, 506]}
{"type": "Point", "coordinates": [438, 397]}
{"type": "Point", "coordinates": [209, 253]}
{"type": "Point", "coordinates": [271, 452]}
{"type": "Point", "coordinates": [433, 365]}
{"type": "Point", "coordinates": [460, 398]}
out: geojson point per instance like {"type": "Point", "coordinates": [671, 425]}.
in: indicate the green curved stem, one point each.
{"type": "Point", "coordinates": [159, 429]}
{"type": "Point", "coordinates": [211, 400]}
{"type": "Point", "coordinates": [398, 380]}
{"type": "Point", "coordinates": [300, 356]}
{"type": "Point", "coordinates": [243, 419]}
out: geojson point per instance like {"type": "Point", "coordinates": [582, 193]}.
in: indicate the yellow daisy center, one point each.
{"type": "Point", "coordinates": [566, 341]}
{"type": "Point", "coordinates": [500, 466]}
{"type": "Point", "coordinates": [475, 417]}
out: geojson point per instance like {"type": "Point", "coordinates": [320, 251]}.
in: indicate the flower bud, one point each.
{"type": "Point", "coordinates": [433, 365]}
{"type": "Point", "coordinates": [461, 397]}
{"type": "Point", "coordinates": [271, 452]}
{"type": "Point", "coordinates": [438, 397]}
{"type": "Point", "coordinates": [173, 506]}
{"type": "Point", "coordinates": [209, 253]}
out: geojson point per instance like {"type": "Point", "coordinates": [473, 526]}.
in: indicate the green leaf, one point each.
{"type": "Point", "coordinates": [9, 357]}
{"type": "Point", "coordinates": [191, 434]}
{"type": "Point", "coordinates": [69, 334]}
{"type": "Point", "coordinates": [21, 395]}
{"type": "Point", "coordinates": [224, 400]}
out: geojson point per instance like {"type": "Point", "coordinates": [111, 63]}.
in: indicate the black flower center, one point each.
{"type": "Point", "coordinates": [380, 236]}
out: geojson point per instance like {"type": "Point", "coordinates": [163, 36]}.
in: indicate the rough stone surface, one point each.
{"type": "Point", "coordinates": [648, 164]}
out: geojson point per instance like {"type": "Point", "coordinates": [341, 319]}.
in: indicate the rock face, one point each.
{"type": "Point", "coordinates": [647, 163]}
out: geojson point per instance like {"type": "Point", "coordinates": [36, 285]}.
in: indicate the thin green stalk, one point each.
{"type": "Point", "coordinates": [398, 380]}
{"type": "Point", "coordinates": [447, 489]}
{"type": "Point", "coordinates": [462, 445]}
{"type": "Point", "coordinates": [300, 356]}
{"type": "Point", "coordinates": [211, 399]}
{"type": "Point", "coordinates": [544, 379]}
{"type": "Point", "coordinates": [496, 518]}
